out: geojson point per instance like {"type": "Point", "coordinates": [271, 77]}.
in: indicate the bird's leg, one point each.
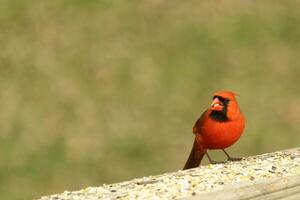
{"type": "Point", "coordinates": [229, 158]}
{"type": "Point", "coordinates": [213, 161]}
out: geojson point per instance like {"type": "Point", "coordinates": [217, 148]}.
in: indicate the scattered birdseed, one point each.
{"type": "Point", "coordinates": [198, 181]}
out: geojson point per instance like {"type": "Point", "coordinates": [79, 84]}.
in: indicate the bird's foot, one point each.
{"type": "Point", "coordinates": [216, 162]}
{"type": "Point", "coordinates": [229, 158]}
{"type": "Point", "coordinates": [234, 159]}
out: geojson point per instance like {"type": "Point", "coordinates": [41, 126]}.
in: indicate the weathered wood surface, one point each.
{"type": "Point", "coordinates": [269, 176]}
{"type": "Point", "coordinates": [287, 188]}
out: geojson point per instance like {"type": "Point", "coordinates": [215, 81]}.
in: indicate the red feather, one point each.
{"type": "Point", "coordinates": [213, 133]}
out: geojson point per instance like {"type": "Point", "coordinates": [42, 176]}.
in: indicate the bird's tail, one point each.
{"type": "Point", "coordinates": [195, 157]}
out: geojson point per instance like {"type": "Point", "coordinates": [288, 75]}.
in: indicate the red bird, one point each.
{"type": "Point", "coordinates": [219, 127]}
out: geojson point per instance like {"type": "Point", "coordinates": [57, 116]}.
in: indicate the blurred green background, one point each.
{"type": "Point", "coordinates": [102, 91]}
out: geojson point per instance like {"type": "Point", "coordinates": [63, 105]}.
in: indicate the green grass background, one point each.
{"type": "Point", "coordinates": [101, 91]}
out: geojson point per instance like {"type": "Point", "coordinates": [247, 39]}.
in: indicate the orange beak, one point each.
{"type": "Point", "coordinates": [217, 105]}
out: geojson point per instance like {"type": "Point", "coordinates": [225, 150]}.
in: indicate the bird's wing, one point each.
{"type": "Point", "coordinates": [199, 122]}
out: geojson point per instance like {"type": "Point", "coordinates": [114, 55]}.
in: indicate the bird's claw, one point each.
{"type": "Point", "coordinates": [213, 162]}
{"type": "Point", "coordinates": [234, 159]}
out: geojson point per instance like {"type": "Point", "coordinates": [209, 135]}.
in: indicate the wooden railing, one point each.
{"type": "Point", "coordinates": [269, 176]}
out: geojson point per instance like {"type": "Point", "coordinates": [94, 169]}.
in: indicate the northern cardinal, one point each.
{"type": "Point", "coordinates": [219, 127]}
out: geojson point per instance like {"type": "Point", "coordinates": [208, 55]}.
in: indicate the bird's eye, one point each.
{"type": "Point", "coordinates": [226, 101]}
